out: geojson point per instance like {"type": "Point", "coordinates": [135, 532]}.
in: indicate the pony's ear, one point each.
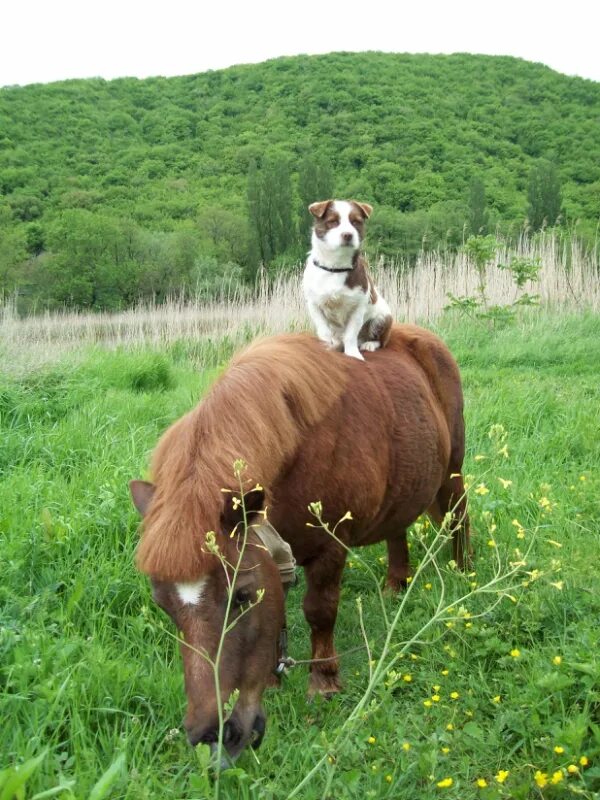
{"type": "Point", "coordinates": [233, 513]}
{"type": "Point", "coordinates": [366, 209]}
{"type": "Point", "coordinates": [142, 493]}
{"type": "Point", "coordinates": [319, 209]}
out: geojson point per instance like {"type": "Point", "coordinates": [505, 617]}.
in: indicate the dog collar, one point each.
{"type": "Point", "coordinates": [332, 269]}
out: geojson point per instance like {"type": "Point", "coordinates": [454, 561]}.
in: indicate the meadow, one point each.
{"type": "Point", "coordinates": [499, 698]}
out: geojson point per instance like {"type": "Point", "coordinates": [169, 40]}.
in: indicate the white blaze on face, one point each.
{"type": "Point", "coordinates": [191, 593]}
{"type": "Point", "coordinates": [335, 236]}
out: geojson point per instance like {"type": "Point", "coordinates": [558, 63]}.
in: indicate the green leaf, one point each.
{"type": "Point", "coordinates": [473, 729]}
{"type": "Point", "coordinates": [108, 779]}
{"type": "Point", "coordinates": [554, 682]}
{"type": "Point", "coordinates": [20, 775]}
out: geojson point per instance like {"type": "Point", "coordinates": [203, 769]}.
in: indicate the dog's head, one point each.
{"type": "Point", "coordinates": [339, 224]}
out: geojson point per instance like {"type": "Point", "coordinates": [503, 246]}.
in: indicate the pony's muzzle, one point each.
{"type": "Point", "coordinates": [233, 734]}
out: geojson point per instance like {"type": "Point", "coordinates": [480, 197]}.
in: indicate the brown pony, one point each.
{"type": "Point", "coordinates": [382, 439]}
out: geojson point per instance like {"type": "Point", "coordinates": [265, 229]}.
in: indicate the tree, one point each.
{"type": "Point", "coordinates": [315, 182]}
{"type": "Point", "coordinates": [544, 195]}
{"type": "Point", "coordinates": [478, 214]}
{"type": "Point", "coordinates": [269, 197]}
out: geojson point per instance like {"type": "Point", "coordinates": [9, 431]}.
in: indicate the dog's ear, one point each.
{"type": "Point", "coordinates": [319, 209]}
{"type": "Point", "coordinates": [366, 209]}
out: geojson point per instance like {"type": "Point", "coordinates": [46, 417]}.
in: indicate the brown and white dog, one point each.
{"type": "Point", "coordinates": [343, 301]}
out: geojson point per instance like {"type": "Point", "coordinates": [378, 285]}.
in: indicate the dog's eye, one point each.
{"type": "Point", "coordinates": [332, 223]}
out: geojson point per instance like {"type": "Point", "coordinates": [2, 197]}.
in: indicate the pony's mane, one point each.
{"type": "Point", "coordinates": [258, 411]}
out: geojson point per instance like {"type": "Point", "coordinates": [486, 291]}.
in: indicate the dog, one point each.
{"type": "Point", "coordinates": [344, 304]}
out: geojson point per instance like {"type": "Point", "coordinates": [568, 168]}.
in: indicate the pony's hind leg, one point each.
{"type": "Point", "coordinates": [398, 562]}
{"type": "Point", "coordinates": [452, 499]}
{"type": "Point", "coordinates": [323, 577]}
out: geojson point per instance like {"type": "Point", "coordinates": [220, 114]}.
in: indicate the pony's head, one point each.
{"type": "Point", "coordinates": [229, 609]}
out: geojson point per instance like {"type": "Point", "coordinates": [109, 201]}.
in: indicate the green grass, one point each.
{"type": "Point", "coordinates": [89, 673]}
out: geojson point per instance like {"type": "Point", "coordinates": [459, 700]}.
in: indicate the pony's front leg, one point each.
{"type": "Point", "coordinates": [323, 577]}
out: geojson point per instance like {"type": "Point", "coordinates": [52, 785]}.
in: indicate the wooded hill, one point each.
{"type": "Point", "coordinates": [112, 190]}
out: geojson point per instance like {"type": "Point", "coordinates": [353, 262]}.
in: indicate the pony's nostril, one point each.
{"type": "Point", "coordinates": [258, 729]}
{"type": "Point", "coordinates": [202, 736]}
{"type": "Point", "coordinates": [232, 733]}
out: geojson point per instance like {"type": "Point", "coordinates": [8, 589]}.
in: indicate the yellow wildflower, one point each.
{"type": "Point", "coordinates": [482, 489]}
{"type": "Point", "coordinates": [445, 671]}
{"type": "Point", "coordinates": [572, 769]}
{"type": "Point", "coordinates": [582, 478]}
{"type": "Point", "coordinates": [496, 699]}
{"type": "Point", "coordinates": [557, 585]}
{"type": "Point", "coordinates": [445, 783]}
{"type": "Point", "coordinates": [406, 746]}
{"type": "Point", "coordinates": [505, 484]}
{"type": "Point", "coordinates": [445, 750]}
{"type": "Point", "coordinates": [584, 761]}
{"type": "Point", "coordinates": [491, 543]}
{"type": "Point", "coordinates": [502, 775]}
{"type": "Point", "coordinates": [554, 543]}
{"type": "Point", "coordinates": [515, 653]}
{"type": "Point", "coordinates": [557, 776]}
{"type": "Point", "coordinates": [388, 778]}
{"type": "Point", "coordinates": [503, 451]}
{"type": "Point", "coordinates": [449, 727]}
{"type": "Point", "coordinates": [481, 783]}
{"type": "Point", "coordinates": [407, 678]}
{"type": "Point", "coordinates": [541, 778]}
{"type": "Point", "coordinates": [371, 740]}
{"type": "Point", "coordinates": [428, 586]}
{"type": "Point", "coordinates": [427, 703]}
{"type": "Point", "coordinates": [454, 695]}
{"type": "Point", "coordinates": [479, 458]}
{"type": "Point", "coordinates": [436, 698]}
{"type": "Point", "coordinates": [559, 750]}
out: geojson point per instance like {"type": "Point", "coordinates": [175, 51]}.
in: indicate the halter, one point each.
{"type": "Point", "coordinates": [282, 555]}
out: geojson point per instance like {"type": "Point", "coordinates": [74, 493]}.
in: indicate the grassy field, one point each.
{"type": "Point", "coordinates": [500, 699]}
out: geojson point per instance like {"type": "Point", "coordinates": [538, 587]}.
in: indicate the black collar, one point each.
{"type": "Point", "coordinates": [332, 269]}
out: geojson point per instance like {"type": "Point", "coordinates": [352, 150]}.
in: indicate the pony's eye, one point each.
{"type": "Point", "coordinates": [241, 596]}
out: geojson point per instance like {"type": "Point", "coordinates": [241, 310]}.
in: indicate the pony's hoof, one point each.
{"type": "Point", "coordinates": [395, 585]}
{"type": "Point", "coordinates": [325, 685]}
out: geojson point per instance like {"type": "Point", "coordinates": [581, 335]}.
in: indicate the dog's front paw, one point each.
{"type": "Point", "coordinates": [355, 354]}
{"type": "Point", "coordinates": [370, 347]}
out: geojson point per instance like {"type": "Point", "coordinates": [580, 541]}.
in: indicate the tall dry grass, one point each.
{"type": "Point", "coordinates": [569, 280]}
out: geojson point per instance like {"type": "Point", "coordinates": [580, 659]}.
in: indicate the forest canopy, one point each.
{"type": "Point", "coordinates": [112, 191]}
